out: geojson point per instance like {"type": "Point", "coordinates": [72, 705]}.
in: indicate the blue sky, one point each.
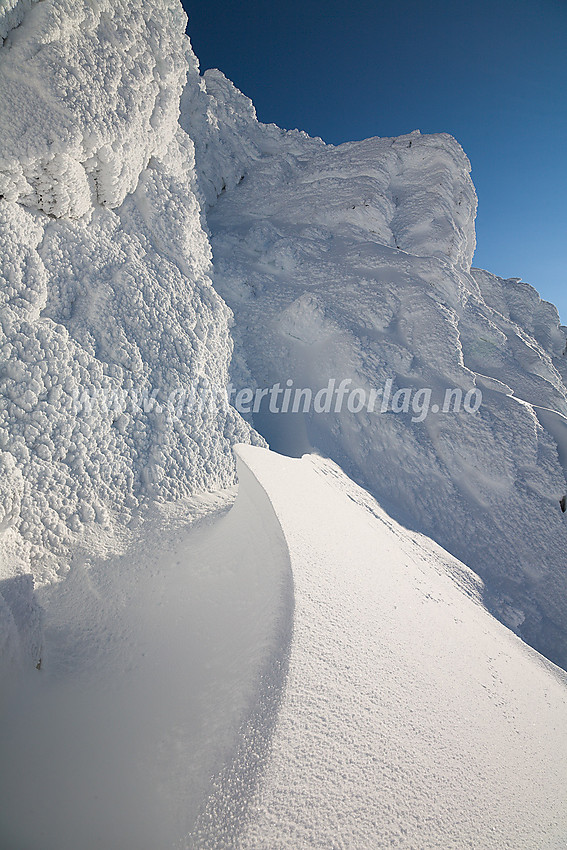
{"type": "Point", "coordinates": [491, 72]}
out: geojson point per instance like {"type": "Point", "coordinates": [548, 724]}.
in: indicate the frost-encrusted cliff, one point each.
{"type": "Point", "coordinates": [354, 262]}
{"type": "Point", "coordinates": [107, 312]}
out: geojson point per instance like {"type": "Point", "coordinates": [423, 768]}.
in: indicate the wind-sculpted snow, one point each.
{"type": "Point", "coordinates": [107, 312]}
{"type": "Point", "coordinates": [12, 13]}
{"type": "Point", "coordinates": [162, 673]}
{"type": "Point", "coordinates": [348, 262]}
{"type": "Point", "coordinates": [411, 718]}
{"type": "Point", "coordinates": [227, 135]}
{"type": "Point", "coordinates": [92, 92]}
{"type": "Point", "coordinates": [353, 262]}
{"type": "Point", "coordinates": [154, 705]}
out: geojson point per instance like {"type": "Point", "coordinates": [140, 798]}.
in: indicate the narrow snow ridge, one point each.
{"type": "Point", "coordinates": [352, 263]}
{"type": "Point", "coordinates": [411, 717]}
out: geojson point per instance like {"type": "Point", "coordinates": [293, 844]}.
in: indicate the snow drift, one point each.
{"type": "Point", "coordinates": [155, 239]}
{"type": "Point", "coordinates": [297, 672]}
{"type": "Point", "coordinates": [411, 717]}
{"type": "Point", "coordinates": [161, 668]}
{"type": "Point", "coordinates": [351, 262]}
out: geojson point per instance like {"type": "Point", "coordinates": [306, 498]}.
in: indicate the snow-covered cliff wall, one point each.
{"type": "Point", "coordinates": [354, 262]}
{"type": "Point", "coordinates": [107, 312]}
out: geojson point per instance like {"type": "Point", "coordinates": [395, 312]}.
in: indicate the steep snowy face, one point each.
{"type": "Point", "coordinates": [92, 92]}
{"type": "Point", "coordinates": [346, 263]}
{"type": "Point", "coordinates": [353, 263]}
{"type": "Point", "coordinates": [227, 134]}
{"type": "Point", "coordinates": [12, 13]}
{"type": "Point", "coordinates": [108, 320]}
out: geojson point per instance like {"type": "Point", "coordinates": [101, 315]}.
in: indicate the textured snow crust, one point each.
{"type": "Point", "coordinates": [92, 93]}
{"type": "Point", "coordinates": [12, 13]}
{"type": "Point", "coordinates": [227, 134]}
{"type": "Point", "coordinates": [106, 305]}
{"type": "Point", "coordinates": [411, 718]}
{"type": "Point", "coordinates": [343, 262]}
{"type": "Point", "coordinates": [354, 262]}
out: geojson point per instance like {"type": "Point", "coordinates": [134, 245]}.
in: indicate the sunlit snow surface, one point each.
{"type": "Point", "coordinates": [105, 270]}
{"type": "Point", "coordinates": [300, 672]}
{"type": "Point", "coordinates": [353, 262]}
{"type": "Point", "coordinates": [411, 718]}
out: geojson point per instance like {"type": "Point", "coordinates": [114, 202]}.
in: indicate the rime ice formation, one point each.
{"type": "Point", "coordinates": [107, 309]}
{"type": "Point", "coordinates": [354, 262]}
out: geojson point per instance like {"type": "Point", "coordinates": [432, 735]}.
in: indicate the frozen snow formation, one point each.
{"type": "Point", "coordinates": [297, 672]}
{"type": "Point", "coordinates": [107, 313]}
{"type": "Point", "coordinates": [153, 665]}
{"type": "Point", "coordinates": [354, 262]}
{"type": "Point", "coordinates": [411, 718]}
{"type": "Point", "coordinates": [306, 669]}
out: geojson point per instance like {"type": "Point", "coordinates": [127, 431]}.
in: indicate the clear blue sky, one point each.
{"type": "Point", "coordinates": [491, 72]}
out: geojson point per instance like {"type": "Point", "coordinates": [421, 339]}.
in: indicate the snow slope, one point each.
{"type": "Point", "coordinates": [350, 262]}
{"type": "Point", "coordinates": [354, 262]}
{"type": "Point", "coordinates": [411, 718]}
{"type": "Point", "coordinates": [161, 712]}
{"type": "Point", "coordinates": [299, 671]}
{"type": "Point", "coordinates": [154, 663]}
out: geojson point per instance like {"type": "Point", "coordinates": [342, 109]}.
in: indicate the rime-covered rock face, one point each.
{"type": "Point", "coordinates": [108, 320]}
{"type": "Point", "coordinates": [92, 92]}
{"type": "Point", "coordinates": [354, 262]}
{"type": "Point", "coordinates": [12, 13]}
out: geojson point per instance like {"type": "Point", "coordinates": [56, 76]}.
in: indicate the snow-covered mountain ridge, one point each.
{"type": "Point", "coordinates": [355, 262]}
{"type": "Point", "coordinates": [120, 167]}
{"type": "Point", "coordinates": [296, 662]}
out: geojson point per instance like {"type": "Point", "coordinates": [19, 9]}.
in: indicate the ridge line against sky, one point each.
{"type": "Point", "coordinates": [491, 74]}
